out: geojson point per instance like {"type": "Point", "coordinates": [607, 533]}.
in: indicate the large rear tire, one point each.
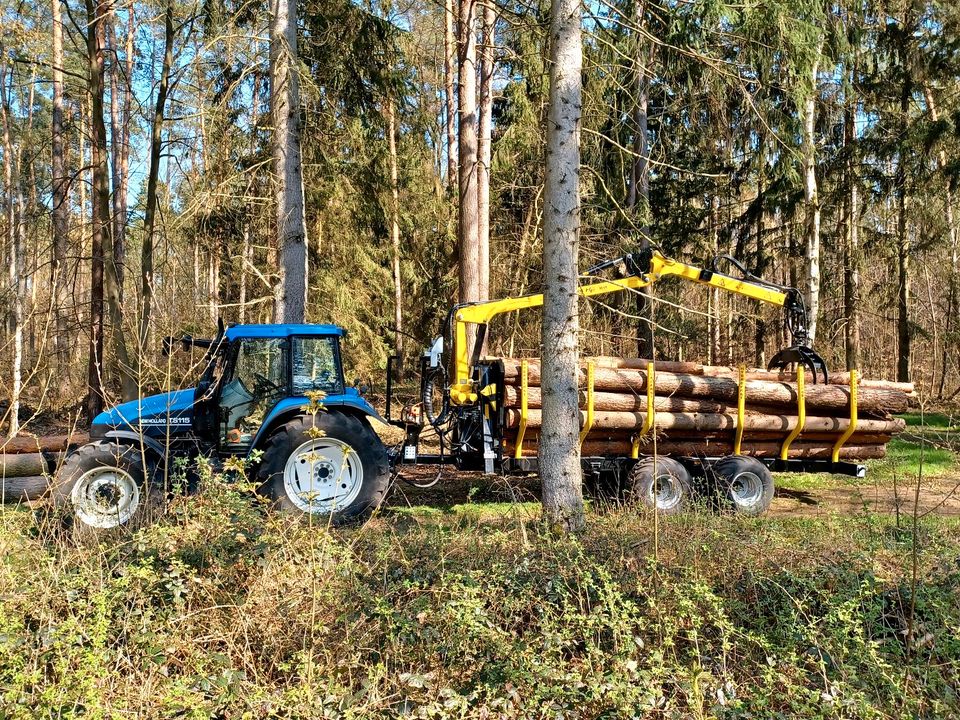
{"type": "Point", "coordinates": [331, 465]}
{"type": "Point", "coordinates": [104, 487]}
{"type": "Point", "coordinates": [661, 483]}
{"type": "Point", "coordinates": [747, 483]}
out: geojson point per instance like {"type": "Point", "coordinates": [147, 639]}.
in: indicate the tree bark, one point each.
{"type": "Point", "coordinates": [469, 226]}
{"type": "Point", "coordinates": [395, 229]}
{"type": "Point", "coordinates": [559, 448]}
{"type": "Point", "coordinates": [14, 220]}
{"type": "Point", "coordinates": [484, 146]}
{"type": "Point", "coordinates": [903, 242]}
{"type": "Point", "coordinates": [291, 295]}
{"type": "Point", "coordinates": [450, 91]}
{"type": "Point", "coordinates": [811, 202]}
{"type": "Point", "coordinates": [153, 175]}
{"type": "Point", "coordinates": [118, 207]}
{"type": "Point", "coordinates": [851, 254]}
{"type": "Point", "coordinates": [60, 190]}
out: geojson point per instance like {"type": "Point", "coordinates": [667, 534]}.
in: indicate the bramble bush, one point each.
{"type": "Point", "coordinates": [225, 609]}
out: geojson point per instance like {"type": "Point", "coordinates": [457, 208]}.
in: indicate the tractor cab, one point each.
{"type": "Point", "coordinates": [254, 377]}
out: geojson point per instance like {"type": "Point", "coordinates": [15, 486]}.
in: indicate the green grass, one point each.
{"type": "Point", "coordinates": [474, 610]}
{"type": "Point", "coordinates": [933, 420]}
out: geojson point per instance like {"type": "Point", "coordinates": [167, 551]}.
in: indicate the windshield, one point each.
{"type": "Point", "coordinates": [316, 365]}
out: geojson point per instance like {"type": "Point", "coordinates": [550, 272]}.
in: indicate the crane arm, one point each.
{"type": "Point", "coordinates": [646, 268]}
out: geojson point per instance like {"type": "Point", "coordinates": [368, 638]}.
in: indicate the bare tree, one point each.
{"type": "Point", "coordinates": [61, 189]}
{"type": "Point", "coordinates": [291, 292]}
{"type": "Point", "coordinates": [484, 145]}
{"type": "Point", "coordinates": [450, 92]}
{"type": "Point", "coordinates": [153, 174]}
{"type": "Point", "coordinates": [395, 228]}
{"type": "Point", "coordinates": [559, 440]}
{"type": "Point", "coordinates": [811, 199]}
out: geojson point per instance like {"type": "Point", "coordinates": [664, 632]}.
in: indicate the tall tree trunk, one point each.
{"type": "Point", "coordinates": [450, 91]}
{"type": "Point", "coordinates": [61, 192]}
{"type": "Point", "coordinates": [291, 292]}
{"type": "Point", "coordinates": [14, 220]}
{"type": "Point", "coordinates": [638, 198]}
{"type": "Point", "coordinates": [395, 228]}
{"type": "Point", "coordinates": [469, 239]}
{"type": "Point", "coordinates": [247, 251]}
{"type": "Point", "coordinates": [485, 150]}
{"type": "Point", "coordinates": [760, 269]}
{"type": "Point", "coordinates": [119, 210]}
{"type": "Point", "coordinates": [153, 175]}
{"type": "Point", "coordinates": [559, 439]}
{"type": "Point", "coordinates": [851, 253]}
{"type": "Point", "coordinates": [903, 242]}
{"type": "Point", "coordinates": [102, 223]}
{"type": "Point", "coordinates": [953, 282]}
{"type": "Point", "coordinates": [811, 202]}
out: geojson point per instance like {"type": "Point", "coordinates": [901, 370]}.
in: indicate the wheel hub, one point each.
{"type": "Point", "coordinates": [746, 488]}
{"type": "Point", "coordinates": [665, 491]}
{"type": "Point", "coordinates": [105, 497]}
{"type": "Point", "coordinates": [323, 475]}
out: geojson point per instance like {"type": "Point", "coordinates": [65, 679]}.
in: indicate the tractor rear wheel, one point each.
{"type": "Point", "coordinates": [661, 483]}
{"type": "Point", "coordinates": [104, 486]}
{"type": "Point", "coordinates": [331, 465]}
{"type": "Point", "coordinates": [747, 483]}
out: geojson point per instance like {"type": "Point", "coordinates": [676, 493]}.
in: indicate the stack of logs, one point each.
{"type": "Point", "coordinates": [696, 410]}
{"type": "Point", "coordinates": [27, 463]}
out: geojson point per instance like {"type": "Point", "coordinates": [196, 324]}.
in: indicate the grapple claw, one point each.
{"type": "Point", "coordinates": [800, 355]}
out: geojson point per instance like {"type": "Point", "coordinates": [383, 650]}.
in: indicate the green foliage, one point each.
{"type": "Point", "coordinates": [222, 609]}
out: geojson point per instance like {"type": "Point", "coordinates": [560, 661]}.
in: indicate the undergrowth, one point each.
{"type": "Point", "coordinates": [223, 609]}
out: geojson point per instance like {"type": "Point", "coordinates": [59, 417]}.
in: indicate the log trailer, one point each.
{"type": "Point", "coordinates": [463, 399]}
{"type": "Point", "coordinates": [272, 398]}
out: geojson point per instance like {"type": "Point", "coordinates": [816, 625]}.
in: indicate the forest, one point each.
{"type": "Point", "coordinates": [816, 143]}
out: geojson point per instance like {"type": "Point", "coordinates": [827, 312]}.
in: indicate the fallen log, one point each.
{"type": "Point", "coordinates": [725, 390]}
{"type": "Point", "coordinates": [48, 443]}
{"type": "Point", "coordinates": [622, 448]}
{"type": "Point", "coordinates": [23, 464]}
{"type": "Point", "coordinates": [21, 489]}
{"type": "Point", "coordinates": [703, 422]}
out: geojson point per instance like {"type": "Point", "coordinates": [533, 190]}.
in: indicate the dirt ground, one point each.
{"type": "Point", "coordinates": [939, 496]}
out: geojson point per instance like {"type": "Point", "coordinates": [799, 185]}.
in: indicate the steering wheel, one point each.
{"type": "Point", "coordinates": [263, 385]}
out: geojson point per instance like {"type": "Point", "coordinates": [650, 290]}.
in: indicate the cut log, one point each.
{"type": "Point", "coordinates": [21, 489]}
{"type": "Point", "coordinates": [623, 448]}
{"type": "Point", "coordinates": [830, 439]}
{"type": "Point", "coordinates": [49, 443]}
{"type": "Point", "coordinates": [23, 464]}
{"type": "Point", "coordinates": [724, 389]}
{"type": "Point", "coordinates": [627, 402]}
{"type": "Point", "coordinates": [704, 422]}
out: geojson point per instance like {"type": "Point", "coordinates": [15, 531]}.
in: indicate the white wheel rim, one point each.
{"type": "Point", "coordinates": [323, 475]}
{"type": "Point", "coordinates": [105, 497]}
{"type": "Point", "coordinates": [746, 488]}
{"type": "Point", "coordinates": [665, 492]}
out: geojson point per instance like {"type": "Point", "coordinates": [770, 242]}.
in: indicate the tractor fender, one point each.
{"type": "Point", "coordinates": [350, 402]}
{"type": "Point", "coordinates": [134, 438]}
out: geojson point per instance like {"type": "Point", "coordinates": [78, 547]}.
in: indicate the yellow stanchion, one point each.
{"type": "Point", "coordinates": [741, 408]}
{"type": "Point", "coordinates": [518, 450]}
{"type": "Point", "coordinates": [801, 412]}
{"type": "Point", "coordinates": [852, 427]}
{"type": "Point", "coordinates": [651, 410]}
{"type": "Point", "coordinates": [589, 423]}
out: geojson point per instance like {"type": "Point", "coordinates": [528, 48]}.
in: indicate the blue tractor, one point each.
{"type": "Point", "coordinates": [256, 392]}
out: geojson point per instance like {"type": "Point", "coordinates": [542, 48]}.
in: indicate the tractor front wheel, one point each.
{"type": "Point", "coordinates": [330, 465]}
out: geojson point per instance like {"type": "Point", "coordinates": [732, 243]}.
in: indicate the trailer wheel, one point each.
{"type": "Point", "coordinates": [104, 486]}
{"type": "Point", "coordinates": [747, 483]}
{"type": "Point", "coordinates": [331, 465]}
{"type": "Point", "coordinates": [660, 483]}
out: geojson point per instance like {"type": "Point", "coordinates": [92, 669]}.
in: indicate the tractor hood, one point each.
{"type": "Point", "coordinates": [152, 415]}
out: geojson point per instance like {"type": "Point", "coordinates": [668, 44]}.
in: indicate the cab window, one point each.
{"type": "Point", "coordinates": [316, 365]}
{"type": "Point", "coordinates": [258, 380]}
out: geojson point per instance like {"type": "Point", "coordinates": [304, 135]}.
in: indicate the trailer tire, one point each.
{"type": "Point", "coordinates": [340, 473]}
{"type": "Point", "coordinates": [660, 483]}
{"type": "Point", "coordinates": [746, 483]}
{"type": "Point", "coordinates": [104, 487]}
